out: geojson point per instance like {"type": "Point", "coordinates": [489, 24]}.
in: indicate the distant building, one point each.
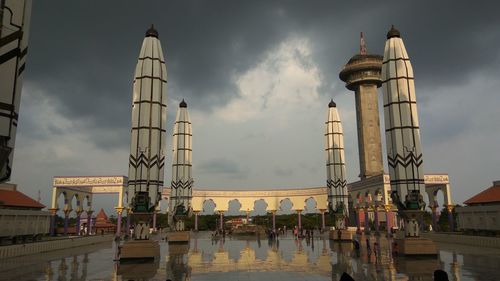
{"type": "Point", "coordinates": [482, 212]}
{"type": "Point", "coordinates": [103, 224]}
{"type": "Point", "coordinates": [21, 217]}
{"type": "Point", "coordinates": [236, 222]}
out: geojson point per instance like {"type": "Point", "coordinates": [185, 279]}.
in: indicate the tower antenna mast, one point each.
{"type": "Point", "coordinates": [362, 44]}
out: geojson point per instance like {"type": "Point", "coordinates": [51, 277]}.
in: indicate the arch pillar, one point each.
{"type": "Point", "coordinates": [119, 211]}
{"type": "Point", "coordinates": [434, 208]}
{"type": "Point", "coordinates": [78, 222]}
{"type": "Point", "coordinates": [358, 222]}
{"type": "Point", "coordinates": [274, 219]}
{"type": "Point", "coordinates": [323, 225]}
{"type": "Point", "coordinates": [367, 221]}
{"type": "Point", "coordinates": [299, 211]}
{"type": "Point", "coordinates": [376, 220]}
{"type": "Point", "coordinates": [221, 220]}
{"type": "Point", "coordinates": [89, 221]}
{"type": "Point", "coordinates": [67, 211]}
{"type": "Point", "coordinates": [447, 195]}
{"type": "Point", "coordinates": [450, 217]}
{"type": "Point", "coordinates": [196, 220]}
{"type": "Point", "coordinates": [388, 219]}
{"type": "Point", "coordinates": [53, 214]}
{"type": "Point", "coordinates": [127, 223]}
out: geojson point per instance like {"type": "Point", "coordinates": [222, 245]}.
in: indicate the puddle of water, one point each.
{"type": "Point", "coordinates": [253, 259]}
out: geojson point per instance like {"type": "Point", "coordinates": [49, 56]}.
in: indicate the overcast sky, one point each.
{"type": "Point", "coordinates": [257, 77]}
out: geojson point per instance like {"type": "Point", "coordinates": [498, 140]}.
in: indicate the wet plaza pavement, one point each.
{"type": "Point", "coordinates": [256, 259]}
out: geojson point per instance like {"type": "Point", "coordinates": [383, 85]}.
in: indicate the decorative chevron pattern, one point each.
{"type": "Point", "coordinates": [183, 185]}
{"type": "Point", "coordinates": [336, 184]}
{"type": "Point", "coordinates": [410, 158]}
{"type": "Point", "coordinates": [143, 160]}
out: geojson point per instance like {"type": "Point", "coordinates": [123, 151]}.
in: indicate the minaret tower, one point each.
{"type": "Point", "coordinates": [361, 74]}
{"type": "Point", "coordinates": [404, 152]}
{"type": "Point", "coordinates": [182, 177]}
{"type": "Point", "coordinates": [147, 147]}
{"type": "Point", "coordinates": [335, 167]}
{"type": "Point", "coordinates": [14, 33]}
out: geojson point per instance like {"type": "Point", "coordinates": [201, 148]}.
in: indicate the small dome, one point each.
{"type": "Point", "coordinates": [332, 104]}
{"type": "Point", "coordinates": [393, 33]}
{"type": "Point", "coordinates": [183, 104]}
{"type": "Point", "coordinates": [151, 32]}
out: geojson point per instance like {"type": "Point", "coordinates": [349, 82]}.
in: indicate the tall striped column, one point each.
{"type": "Point", "coordinates": [335, 167]}
{"type": "Point", "coordinates": [404, 152]}
{"type": "Point", "coordinates": [14, 33]}
{"type": "Point", "coordinates": [182, 177]}
{"type": "Point", "coordinates": [149, 118]}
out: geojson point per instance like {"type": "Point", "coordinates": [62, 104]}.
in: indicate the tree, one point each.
{"type": "Point", "coordinates": [443, 221]}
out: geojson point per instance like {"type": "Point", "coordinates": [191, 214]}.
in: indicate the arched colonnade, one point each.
{"type": "Point", "coordinates": [371, 197]}
{"type": "Point", "coordinates": [247, 199]}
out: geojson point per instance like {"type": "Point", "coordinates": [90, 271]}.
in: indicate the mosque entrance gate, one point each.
{"type": "Point", "coordinates": [83, 189]}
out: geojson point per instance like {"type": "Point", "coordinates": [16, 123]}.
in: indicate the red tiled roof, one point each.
{"type": "Point", "coordinates": [14, 198]}
{"type": "Point", "coordinates": [490, 195]}
{"type": "Point", "coordinates": [102, 215]}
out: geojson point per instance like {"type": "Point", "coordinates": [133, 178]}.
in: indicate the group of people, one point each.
{"type": "Point", "coordinates": [219, 234]}
{"type": "Point", "coordinates": [376, 247]}
{"type": "Point", "coordinates": [300, 233]}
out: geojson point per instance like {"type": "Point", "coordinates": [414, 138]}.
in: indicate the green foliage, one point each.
{"type": "Point", "coordinates": [210, 222]}
{"type": "Point", "coordinates": [443, 222]}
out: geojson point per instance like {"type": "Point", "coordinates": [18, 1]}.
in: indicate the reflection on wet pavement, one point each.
{"type": "Point", "coordinates": [255, 259]}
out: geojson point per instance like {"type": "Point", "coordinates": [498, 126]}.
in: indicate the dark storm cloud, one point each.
{"type": "Point", "coordinates": [222, 166]}
{"type": "Point", "coordinates": [84, 53]}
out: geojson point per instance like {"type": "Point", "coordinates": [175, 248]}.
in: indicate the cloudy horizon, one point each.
{"type": "Point", "coordinates": [257, 77]}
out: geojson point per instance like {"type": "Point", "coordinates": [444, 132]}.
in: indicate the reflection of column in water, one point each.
{"type": "Point", "coordinates": [343, 263]}
{"type": "Point", "coordinates": [115, 272]}
{"type": "Point", "coordinates": [455, 268]}
{"type": "Point", "coordinates": [74, 268]}
{"type": "Point", "coordinates": [390, 267]}
{"type": "Point", "coordinates": [360, 270]}
{"type": "Point", "coordinates": [221, 246]}
{"type": "Point", "coordinates": [85, 262]}
{"type": "Point", "coordinates": [176, 268]}
{"type": "Point", "coordinates": [378, 247]}
{"type": "Point", "coordinates": [298, 243]}
{"type": "Point", "coordinates": [62, 270]}
{"type": "Point", "coordinates": [195, 246]}
{"type": "Point", "coordinates": [48, 271]}
{"type": "Point", "coordinates": [389, 249]}
{"type": "Point", "coordinates": [325, 249]}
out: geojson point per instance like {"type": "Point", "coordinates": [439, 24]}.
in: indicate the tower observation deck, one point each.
{"type": "Point", "coordinates": [362, 75]}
